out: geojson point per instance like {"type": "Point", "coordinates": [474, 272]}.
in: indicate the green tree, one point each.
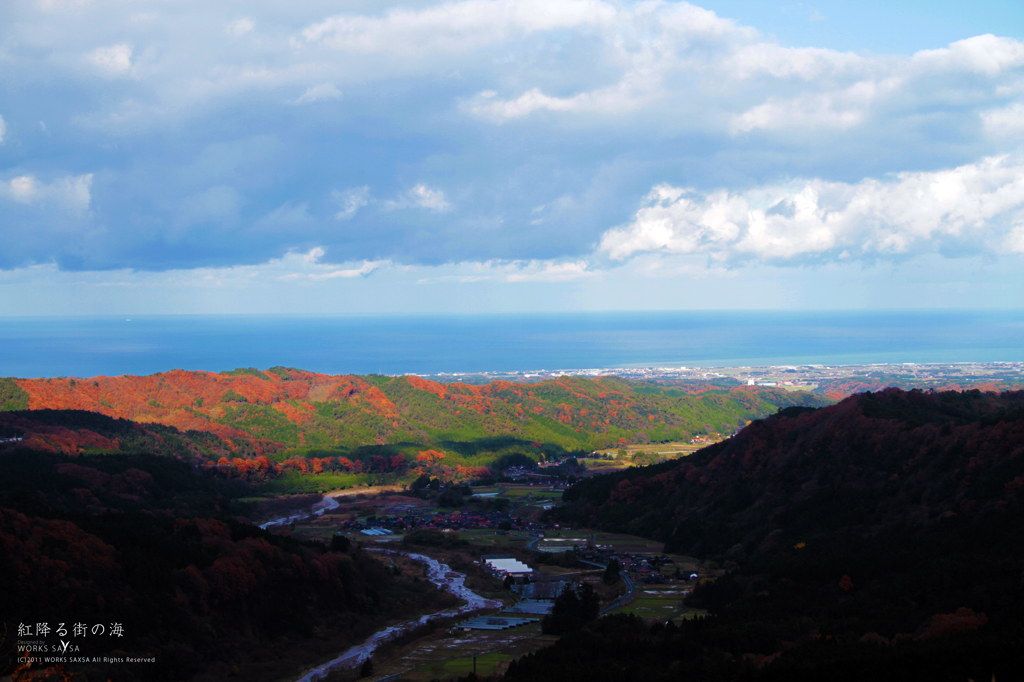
{"type": "Point", "coordinates": [12, 396]}
{"type": "Point", "coordinates": [572, 610]}
{"type": "Point", "coordinates": [340, 543]}
{"type": "Point", "coordinates": [611, 572]}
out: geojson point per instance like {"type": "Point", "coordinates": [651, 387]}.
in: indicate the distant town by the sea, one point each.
{"type": "Point", "coordinates": [539, 344]}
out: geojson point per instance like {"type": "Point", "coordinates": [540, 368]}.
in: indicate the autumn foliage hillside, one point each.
{"type": "Point", "coordinates": [263, 412]}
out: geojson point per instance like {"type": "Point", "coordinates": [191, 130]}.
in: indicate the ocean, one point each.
{"type": "Point", "coordinates": [90, 346]}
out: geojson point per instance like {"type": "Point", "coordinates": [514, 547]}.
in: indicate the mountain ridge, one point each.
{"type": "Point", "coordinates": [286, 408]}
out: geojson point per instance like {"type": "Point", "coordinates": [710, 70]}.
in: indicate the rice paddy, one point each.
{"type": "Point", "coordinates": [660, 602]}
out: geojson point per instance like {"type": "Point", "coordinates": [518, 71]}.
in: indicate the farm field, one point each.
{"type": "Point", "coordinates": [561, 540]}
{"type": "Point", "coordinates": [641, 455]}
{"type": "Point", "coordinates": [660, 602]}
{"type": "Point", "coordinates": [450, 654]}
{"type": "Point", "coordinates": [534, 491]}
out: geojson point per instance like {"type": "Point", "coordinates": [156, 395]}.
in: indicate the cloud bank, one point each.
{"type": "Point", "coordinates": [520, 141]}
{"type": "Point", "coordinates": [976, 207]}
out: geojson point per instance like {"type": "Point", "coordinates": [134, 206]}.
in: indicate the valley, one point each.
{"type": "Point", "coordinates": [885, 523]}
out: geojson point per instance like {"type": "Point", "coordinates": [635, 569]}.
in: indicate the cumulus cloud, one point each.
{"type": "Point", "coordinates": [210, 161]}
{"type": "Point", "coordinates": [72, 193]}
{"type": "Point", "coordinates": [839, 109]}
{"type": "Point", "coordinates": [986, 54]}
{"type": "Point", "coordinates": [1004, 122]}
{"type": "Point", "coordinates": [975, 206]}
{"type": "Point", "coordinates": [804, 63]}
{"type": "Point", "coordinates": [317, 93]}
{"type": "Point", "coordinates": [421, 196]}
{"type": "Point", "coordinates": [239, 27]}
{"type": "Point", "coordinates": [1014, 242]}
{"type": "Point", "coordinates": [453, 26]}
{"type": "Point", "coordinates": [350, 201]}
{"type": "Point", "coordinates": [115, 59]}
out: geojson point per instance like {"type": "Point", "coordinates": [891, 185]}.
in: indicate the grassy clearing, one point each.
{"type": "Point", "coordinates": [532, 492]}
{"type": "Point", "coordinates": [451, 655]}
{"type": "Point", "coordinates": [293, 482]}
{"type": "Point", "coordinates": [654, 603]}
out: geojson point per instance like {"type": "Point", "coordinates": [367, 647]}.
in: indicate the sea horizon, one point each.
{"type": "Point", "coordinates": [453, 344]}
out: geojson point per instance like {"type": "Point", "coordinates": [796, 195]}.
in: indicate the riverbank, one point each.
{"type": "Point", "coordinates": [441, 575]}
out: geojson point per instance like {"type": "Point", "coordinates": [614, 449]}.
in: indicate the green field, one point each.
{"type": "Point", "coordinates": [530, 491]}
{"type": "Point", "coordinates": [658, 602]}
{"type": "Point", "coordinates": [451, 655]}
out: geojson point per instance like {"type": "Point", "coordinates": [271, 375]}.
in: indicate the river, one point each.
{"type": "Point", "coordinates": [439, 574]}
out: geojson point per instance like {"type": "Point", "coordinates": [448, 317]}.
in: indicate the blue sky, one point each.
{"type": "Point", "coordinates": [508, 156]}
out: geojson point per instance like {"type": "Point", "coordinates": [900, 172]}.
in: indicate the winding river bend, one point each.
{"type": "Point", "coordinates": [439, 574]}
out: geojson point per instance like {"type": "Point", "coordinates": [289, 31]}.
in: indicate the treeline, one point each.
{"type": "Point", "coordinates": [72, 431]}
{"type": "Point", "coordinates": [623, 648]}
{"type": "Point", "coordinates": [261, 468]}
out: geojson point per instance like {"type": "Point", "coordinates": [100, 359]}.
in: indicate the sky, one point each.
{"type": "Point", "coordinates": [481, 156]}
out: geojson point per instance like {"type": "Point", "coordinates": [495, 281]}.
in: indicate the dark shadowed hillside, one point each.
{"type": "Point", "coordinates": [150, 543]}
{"type": "Point", "coordinates": [873, 461]}
{"type": "Point", "coordinates": [877, 539]}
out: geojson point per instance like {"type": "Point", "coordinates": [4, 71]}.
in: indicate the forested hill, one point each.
{"type": "Point", "coordinates": [871, 461]}
{"type": "Point", "coordinates": [880, 538]}
{"type": "Point", "coordinates": [288, 408]}
{"type": "Point", "coordinates": [152, 544]}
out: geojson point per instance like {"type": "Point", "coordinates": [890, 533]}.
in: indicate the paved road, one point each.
{"type": "Point", "coordinates": [621, 600]}
{"type": "Point", "coordinates": [532, 545]}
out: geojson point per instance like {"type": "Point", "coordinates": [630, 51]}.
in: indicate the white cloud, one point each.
{"type": "Point", "coordinates": [547, 271]}
{"type": "Point", "coordinates": [298, 266]}
{"type": "Point", "coordinates": [635, 90]}
{"type": "Point", "coordinates": [986, 54]}
{"type": "Point", "coordinates": [3, 129]}
{"type": "Point", "coordinates": [805, 63]}
{"type": "Point", "coordinates": [677, 59]}
{"type": "Point", "coordinates": [1004, 122]}
{"type": "Point", "coordinates": [365, 269]}
{"type": "Point", "coordinates": [600, 99]}
{"type": "Point", "coordinates": [239, 27]}
{"type": "Point", "coordinates": [837, 109]}
{"type": "Point", "coordinates": [515, 271]}
{"type": "Point", "coordinates": [317, 93]}
{"type": "Point", "coordinates": [421, 196]}
{"type": "Point", "coordinates": [72, 193]}
{"type": "Point", "coordinates": [1014, 242]}
{"type": "Point", "coordinates": [681, 67]}
{"type": "Point", "coordinates": [972, 207]}
{"type": "Point", "coordinates": [113, 59]}
{"type": "Point", "coordinates": [351, 200]}
{"type": "Point", "coordinates": [63, 5]}
{"type": "Point", "coordinates": [453, 27]}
